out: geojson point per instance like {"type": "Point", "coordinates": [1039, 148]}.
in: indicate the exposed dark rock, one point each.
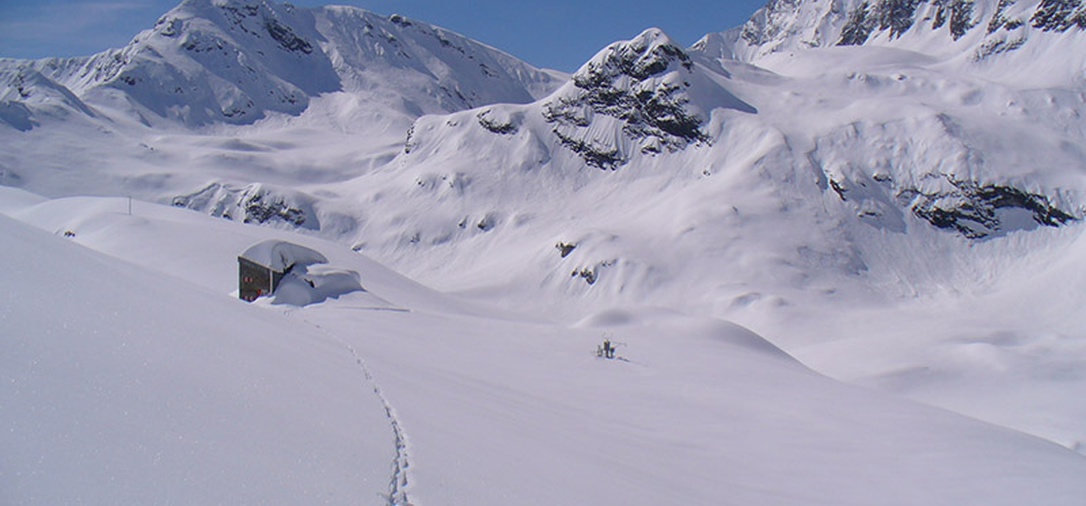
{"type": "Point", "coordinates": [238, 110]}
{"type": "Point", "coordinates": [251, 204]}
{"type": "Point", "coordinates": [397, 19]}
{"type": "Point", "coordinates": [487, 223]}
{"type": "Point", "coordinates": [971, 208]}
{"type": "Point", "coordinates": [895, 15]}
{"type": "Point", "coordinates": [495, 126]}
{"type": "Point", "coordinates": [409, 143]}
{"type": "Point", "coordinates": [997, 46]}
{"type": "Point", "coordinates": [857, 29]}
{"type": "Point", "coordinates": [1059, 15]}
{"type": "Point", "coordinates": [238, 14]}
{"type": "Point", "coordinates": [898, 16]}
{"type": "Point", "coordinates": [592, 274]}
{"type": "Point", "coordinates": [602, 157]}
{"type": "Point", "coordinates": [839, 189]}
{"type": "Point", "coordinates": [565, 248]}
{"type": "Point", "coordinates": [286, 37]}
{"type": "Point", "coordinates": [961, 17]}
{"type": "Point", "coordinates": [589, 275]}
{"type": "Point", "coordinates": [999, 19]}
{"type": "Point", "coordinates": [261, 208]}
{"type": "Point", "coordinates": [170, 27]}
{"type": "Point", "coordinates": [940, 15]}
{"type": "Point", "coordinates": [627, 83]}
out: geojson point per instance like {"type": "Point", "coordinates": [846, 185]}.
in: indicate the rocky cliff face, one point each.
{"type": "Point", "coordinates": [254, 203]}
{"type": "Point", "coordinates": [635, 98]}
{"type": "Point", "coordinates": [979, 29]}
{"type": "Point", "coordinates": [640, 85]}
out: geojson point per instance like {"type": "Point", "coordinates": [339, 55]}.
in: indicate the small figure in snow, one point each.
{"type": "Point", "coordinates": [608, 349]}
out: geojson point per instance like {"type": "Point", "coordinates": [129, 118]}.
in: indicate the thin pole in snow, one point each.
{"type": "Point", "coordinates": [130, 205]}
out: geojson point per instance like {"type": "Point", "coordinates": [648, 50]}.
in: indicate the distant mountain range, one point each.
{"type": "Point", "coordinates": [848, 127]}
{"type": "Point", "coordinates": [234, 62]}
{"type": "Point", "coordinates": [956, 29]}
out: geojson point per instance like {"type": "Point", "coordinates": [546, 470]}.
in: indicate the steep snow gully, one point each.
{"type": "Point", "coordinates": [398, 481]}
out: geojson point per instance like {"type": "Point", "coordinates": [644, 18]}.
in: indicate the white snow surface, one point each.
{"type": "Point", "coordinates": [487, 224]}
{"type": "Point", "coordinates": [281, 255]}
{"type": "Point", "coordinates": [123, 385]}
{"type": "Point", "coordinates": [133, 375]}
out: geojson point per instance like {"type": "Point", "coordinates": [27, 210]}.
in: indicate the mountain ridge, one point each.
{"type": "Point", "coordinates": [826, 197]}
{"type": "Point", "coordinates": [235, 61]}
{"type": "Point", "coordinates": [978, 34]}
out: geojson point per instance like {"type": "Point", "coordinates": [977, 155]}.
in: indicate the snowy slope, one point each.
{"type": "Point", "coordinates": [123, 385]}
{"type": "Point", "coordinates": [331, 91]}
{"type": "Point", "coordinates": [863, 180]}
{"type": "Point", "coordinates": [884, 142]}
{"type": "Point", "coordinates": [898, 213]}
{"type": "Point", "coordinates": [485, 411]}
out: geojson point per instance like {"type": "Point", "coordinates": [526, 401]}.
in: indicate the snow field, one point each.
{"type": "Point", "coordinates": [124, 385]}
{"type": "Point", "coordinates": [488, 408]}
{"type": "Point", "coordinates": [463, 373]}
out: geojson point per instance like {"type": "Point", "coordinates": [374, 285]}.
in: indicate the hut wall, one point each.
{"type": "Point", "coordinates": [254, 280]}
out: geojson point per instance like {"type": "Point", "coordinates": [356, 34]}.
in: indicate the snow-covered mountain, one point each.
{"type": "Point", "coordinates": [214, 99]}
{"type": "Point", "coordinates": [861, 176]}
{"type": "Point", "coordinates": [227, 61]}
{"type": "Point", "coordinates": [1015, 36]}
{"type": "Point", "coordinates": [131, 374]}
{"type": "Point", "coordinates": [891, 192]}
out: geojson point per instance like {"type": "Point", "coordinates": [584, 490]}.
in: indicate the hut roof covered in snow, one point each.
{"type": "Point", "coordinates": [281, 255]}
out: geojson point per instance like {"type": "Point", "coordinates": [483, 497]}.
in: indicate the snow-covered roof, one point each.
{"type": "Point", "coordinates": [280, 255]}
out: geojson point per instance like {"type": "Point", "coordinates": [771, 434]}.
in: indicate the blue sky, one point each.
{"type": "Point", "coordinates": [559, 34]}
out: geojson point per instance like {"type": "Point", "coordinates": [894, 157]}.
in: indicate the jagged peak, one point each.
{"type": "Point", "coordinates": [974, 29]}
{"type": "Point", "coordinates": [646, 93]}
{"type": "Point", "coordinates": [649, 54]}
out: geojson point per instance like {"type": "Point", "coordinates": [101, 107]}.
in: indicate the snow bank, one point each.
{"type": "Point", "coordinates": [315, 284]}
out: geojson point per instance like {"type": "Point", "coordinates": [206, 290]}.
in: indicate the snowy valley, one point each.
{"type": "Point", "coordinates": [839, 248]}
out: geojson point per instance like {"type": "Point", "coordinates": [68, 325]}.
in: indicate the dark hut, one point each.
{"type": "Point", "coordinates": [263, 265]}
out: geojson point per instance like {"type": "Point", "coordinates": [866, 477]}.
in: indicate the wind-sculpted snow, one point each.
{"type": "Point", "coordinates": [305, 285]}
{"type": "Point", "coordinates": [435, 70]}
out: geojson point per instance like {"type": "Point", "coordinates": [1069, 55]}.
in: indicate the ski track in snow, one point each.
{"type": "Point", "coordinates": [397, 484]}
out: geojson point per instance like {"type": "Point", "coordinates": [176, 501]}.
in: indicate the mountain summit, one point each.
{"type": "Point", "coordinates": [894, 190]}
{"type": "Point", "coordinates": [1020, 32]}
{"type": "Point", "coordinates": [236, 61]}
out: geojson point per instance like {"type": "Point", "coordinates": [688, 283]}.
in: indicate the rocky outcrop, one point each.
{"type": "Point", "coordinates": [898, 16]}
{"type": "Point", "coordinates": [254, 203]}
{"type": "Point", "coordinates": [974, 209]}
{"type": "Point", "coordinates": [992, 27]}
{"type": "Point", "coordinates": [640, 87]}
